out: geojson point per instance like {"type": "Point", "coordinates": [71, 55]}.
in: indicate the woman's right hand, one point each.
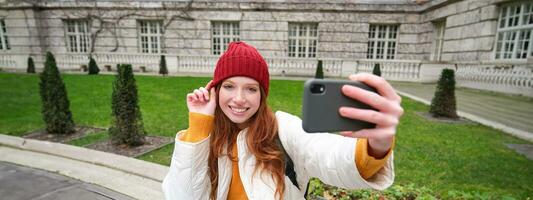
{"type": "Point", "coordinates": [202, 101]}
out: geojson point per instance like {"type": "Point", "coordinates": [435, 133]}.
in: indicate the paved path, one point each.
{"type": "Point", "coordinates": [512, 114]}
{"type": "Point", "coordinates": [130, 177]}
{"type": "Point", "coordinates": [21, 183]}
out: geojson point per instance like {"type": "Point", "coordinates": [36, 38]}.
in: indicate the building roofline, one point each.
{"type": "Point", "coordinates": [385, 6]}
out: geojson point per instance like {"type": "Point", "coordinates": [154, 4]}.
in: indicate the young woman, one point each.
{"type": "Point", "coordinates": [230, 150]}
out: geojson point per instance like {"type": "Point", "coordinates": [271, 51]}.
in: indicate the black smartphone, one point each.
{"type": "Point", "coordinates": [322, 99]}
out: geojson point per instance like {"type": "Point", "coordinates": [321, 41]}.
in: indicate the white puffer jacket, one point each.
{"type": "Point", "coordinates": [328, 157]}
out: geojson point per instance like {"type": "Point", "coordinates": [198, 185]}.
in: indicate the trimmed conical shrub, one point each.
{"type": "Point", "coordinates": [93, 67]}
{"type": "Point", "coordinates": [319, 74]}
{"type": "Point", "coordinates": [55, 103]}
{"type": "Point", "coordinates": [31, 66]}
{"type": "Point", "coordinates": [127, 126]}
{"type": "Point", "coordinates": [443, 103]}
{"type": "Point", "coordinates": [377, 70]}
{"type": "Point", "coordinates": [163, 66]}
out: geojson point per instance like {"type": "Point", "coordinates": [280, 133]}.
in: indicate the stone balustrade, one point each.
{"type": "Point", "coordinates": [396, 70]}
{"type": "Point", "coordinates": [516, 78]}
{"type": "Point", "coordinates": [499, 77]}
{"type": "Point", "coordinates": [8, 61]}
{"type": "Point", "coordinates": [278, 66]}
{"type": "Point", "coordinates": [140, 62]}
{"type": "Point", "coordinates": [195, 64]}
{"type": "Point", "coordinates": [284, 66]}
{"type": "Point", "coordinates": [71, 62]}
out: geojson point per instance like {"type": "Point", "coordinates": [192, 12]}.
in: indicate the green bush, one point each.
{"type": "Point", "coordinates": [55, 103]}
{"type": "Point", "coordinates": [93, 67]}
{"type": "Point", "coordinates": [319, 72]}
{"type": "Point", "coordinates": [127, 126]}
{"type": "Point", "coordinates": [443, 103]}
{"type": "Point", "coordinates": [163, 66]}
{"type": "Point", "coordinates": [377, 70]}
{"type": "Point", "coordinates": [409, 191]}
{"type": "Point", "coordinates": [316, 188]}
{"type": "Point", "coordinates": [31, 66]}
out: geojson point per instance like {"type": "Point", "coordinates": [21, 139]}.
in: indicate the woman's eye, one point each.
{"type": "Point", "coordinates": [227, 86]}
{"type": "Point", "coordinates": [252, 89]}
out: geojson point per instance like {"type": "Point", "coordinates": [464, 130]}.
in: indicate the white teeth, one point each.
{"type": "Point", "coordinates": [238, 110]}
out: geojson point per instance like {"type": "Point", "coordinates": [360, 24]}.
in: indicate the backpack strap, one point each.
{"type": "Point", "coordinates": [289, 167]}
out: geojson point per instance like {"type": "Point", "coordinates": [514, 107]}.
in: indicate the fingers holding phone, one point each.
{"type": "Point", "coordinates": [385, 102]}
{"type": "Point", "coordinates": [202, 100]}
{"type": "Point", "coordinates": [386, 116]}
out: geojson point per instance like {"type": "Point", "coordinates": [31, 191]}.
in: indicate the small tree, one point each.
{"type": "Point", "coordinates": [55, 103]}
{"type": "Point", "coordinates": [319, 74]}
{"type": "Point", "coordinates": [377, 70]}
{"type": "Point", "coordinates": [163, 66]}
{"type": "Point", "coordinates": [443, 103]}
{"type": "Point", "coordinates": [127, 127]}
{"type": "Point", "coordinates": [31, 66]}
{"type": "Point", "coordinates": [93, 67]}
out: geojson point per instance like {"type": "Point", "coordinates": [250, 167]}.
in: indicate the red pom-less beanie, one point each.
{"type": "Point", "coordinates": [241, 59]}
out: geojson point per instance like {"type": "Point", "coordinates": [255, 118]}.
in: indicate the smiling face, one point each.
{"type": "Point", "coordinates": [239, 98]}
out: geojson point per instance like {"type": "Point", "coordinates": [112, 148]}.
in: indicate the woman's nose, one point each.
{"type": "Point", "coordinates": [239, 97]}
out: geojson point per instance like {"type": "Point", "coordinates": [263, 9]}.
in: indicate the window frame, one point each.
{"type": "Point", "coordinates": [4, 38]}
{"type": "Point", "coordinates": [222, 33]}
{"type": "Point", "coordinates": [438, 39]}
{"type": "Point", "coordinates": [154, 40]}
{"type": "Point", "coordinates": [503, 44]}
{"type": "Point", "coordinates": [310, 49]}
{"type": "Point", "coordinates": [375, 41]}
{"type": "Point", "coordinates": [82, 39]}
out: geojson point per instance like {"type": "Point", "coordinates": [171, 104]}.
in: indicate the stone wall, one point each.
{"type": "Point", "coordinates": [343, 26]}
{"type": "Point", "coordinates": [470, 29]}
{"type": "Point", "coordinates": [22, 30]}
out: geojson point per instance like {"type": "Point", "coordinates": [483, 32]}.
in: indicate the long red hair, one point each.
{"type": "Point", "coordinates": [260, 140]}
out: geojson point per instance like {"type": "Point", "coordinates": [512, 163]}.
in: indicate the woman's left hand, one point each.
{"type": "Point", "coordinates": [386, 118]}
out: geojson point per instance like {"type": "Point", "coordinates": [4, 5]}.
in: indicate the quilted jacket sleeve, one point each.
{"type": "Point", "coordinates": [329, 157]}
{"type": "Point", "coordinates": [188, 176]}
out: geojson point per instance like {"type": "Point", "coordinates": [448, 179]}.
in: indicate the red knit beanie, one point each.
{"type": "Point", "coordinates": [241, 59]}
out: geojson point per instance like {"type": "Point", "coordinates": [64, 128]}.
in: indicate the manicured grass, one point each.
{"type": "Point", "coordinates": [468, 157]}
{"type": "Point", "coordinates": [439, 156]}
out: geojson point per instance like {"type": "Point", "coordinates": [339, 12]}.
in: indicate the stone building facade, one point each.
{"type": "Point", "coordinates": [427, 34]}
{"type": "Point", "coordinates": [343, 28]}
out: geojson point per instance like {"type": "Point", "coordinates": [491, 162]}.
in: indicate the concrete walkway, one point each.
{"type": "Point", "coordinates": [117, 176]}
{"type": "Point", "coordinates": [21, 183]}
{"type": "Point", "coordinates": [511, 114]}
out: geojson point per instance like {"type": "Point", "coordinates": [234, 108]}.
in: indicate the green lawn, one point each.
{"type": "Point", "coordinates": [439, 156]}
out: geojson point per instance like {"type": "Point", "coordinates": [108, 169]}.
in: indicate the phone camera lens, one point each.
{"type": "Point", "coordinates": [318, 89]}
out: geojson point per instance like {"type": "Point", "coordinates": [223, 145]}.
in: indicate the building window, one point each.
{"type": "Point", "coordinates": [78, 36]}
{"type": "Point", "coordinates": [4, 42]}
{"type": "Point", "coordinates": [438, 40]}
{"type": "Point", "coordinates": [303, 39]}
{"type": "Point", "coordinates": [150, 34]}
{"type": "Point", "coordinates": [222, 34]}
{"type": "Point", "coordinates": [515, 31]}
{"type": "Point", "coordinates": [382, 41]}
